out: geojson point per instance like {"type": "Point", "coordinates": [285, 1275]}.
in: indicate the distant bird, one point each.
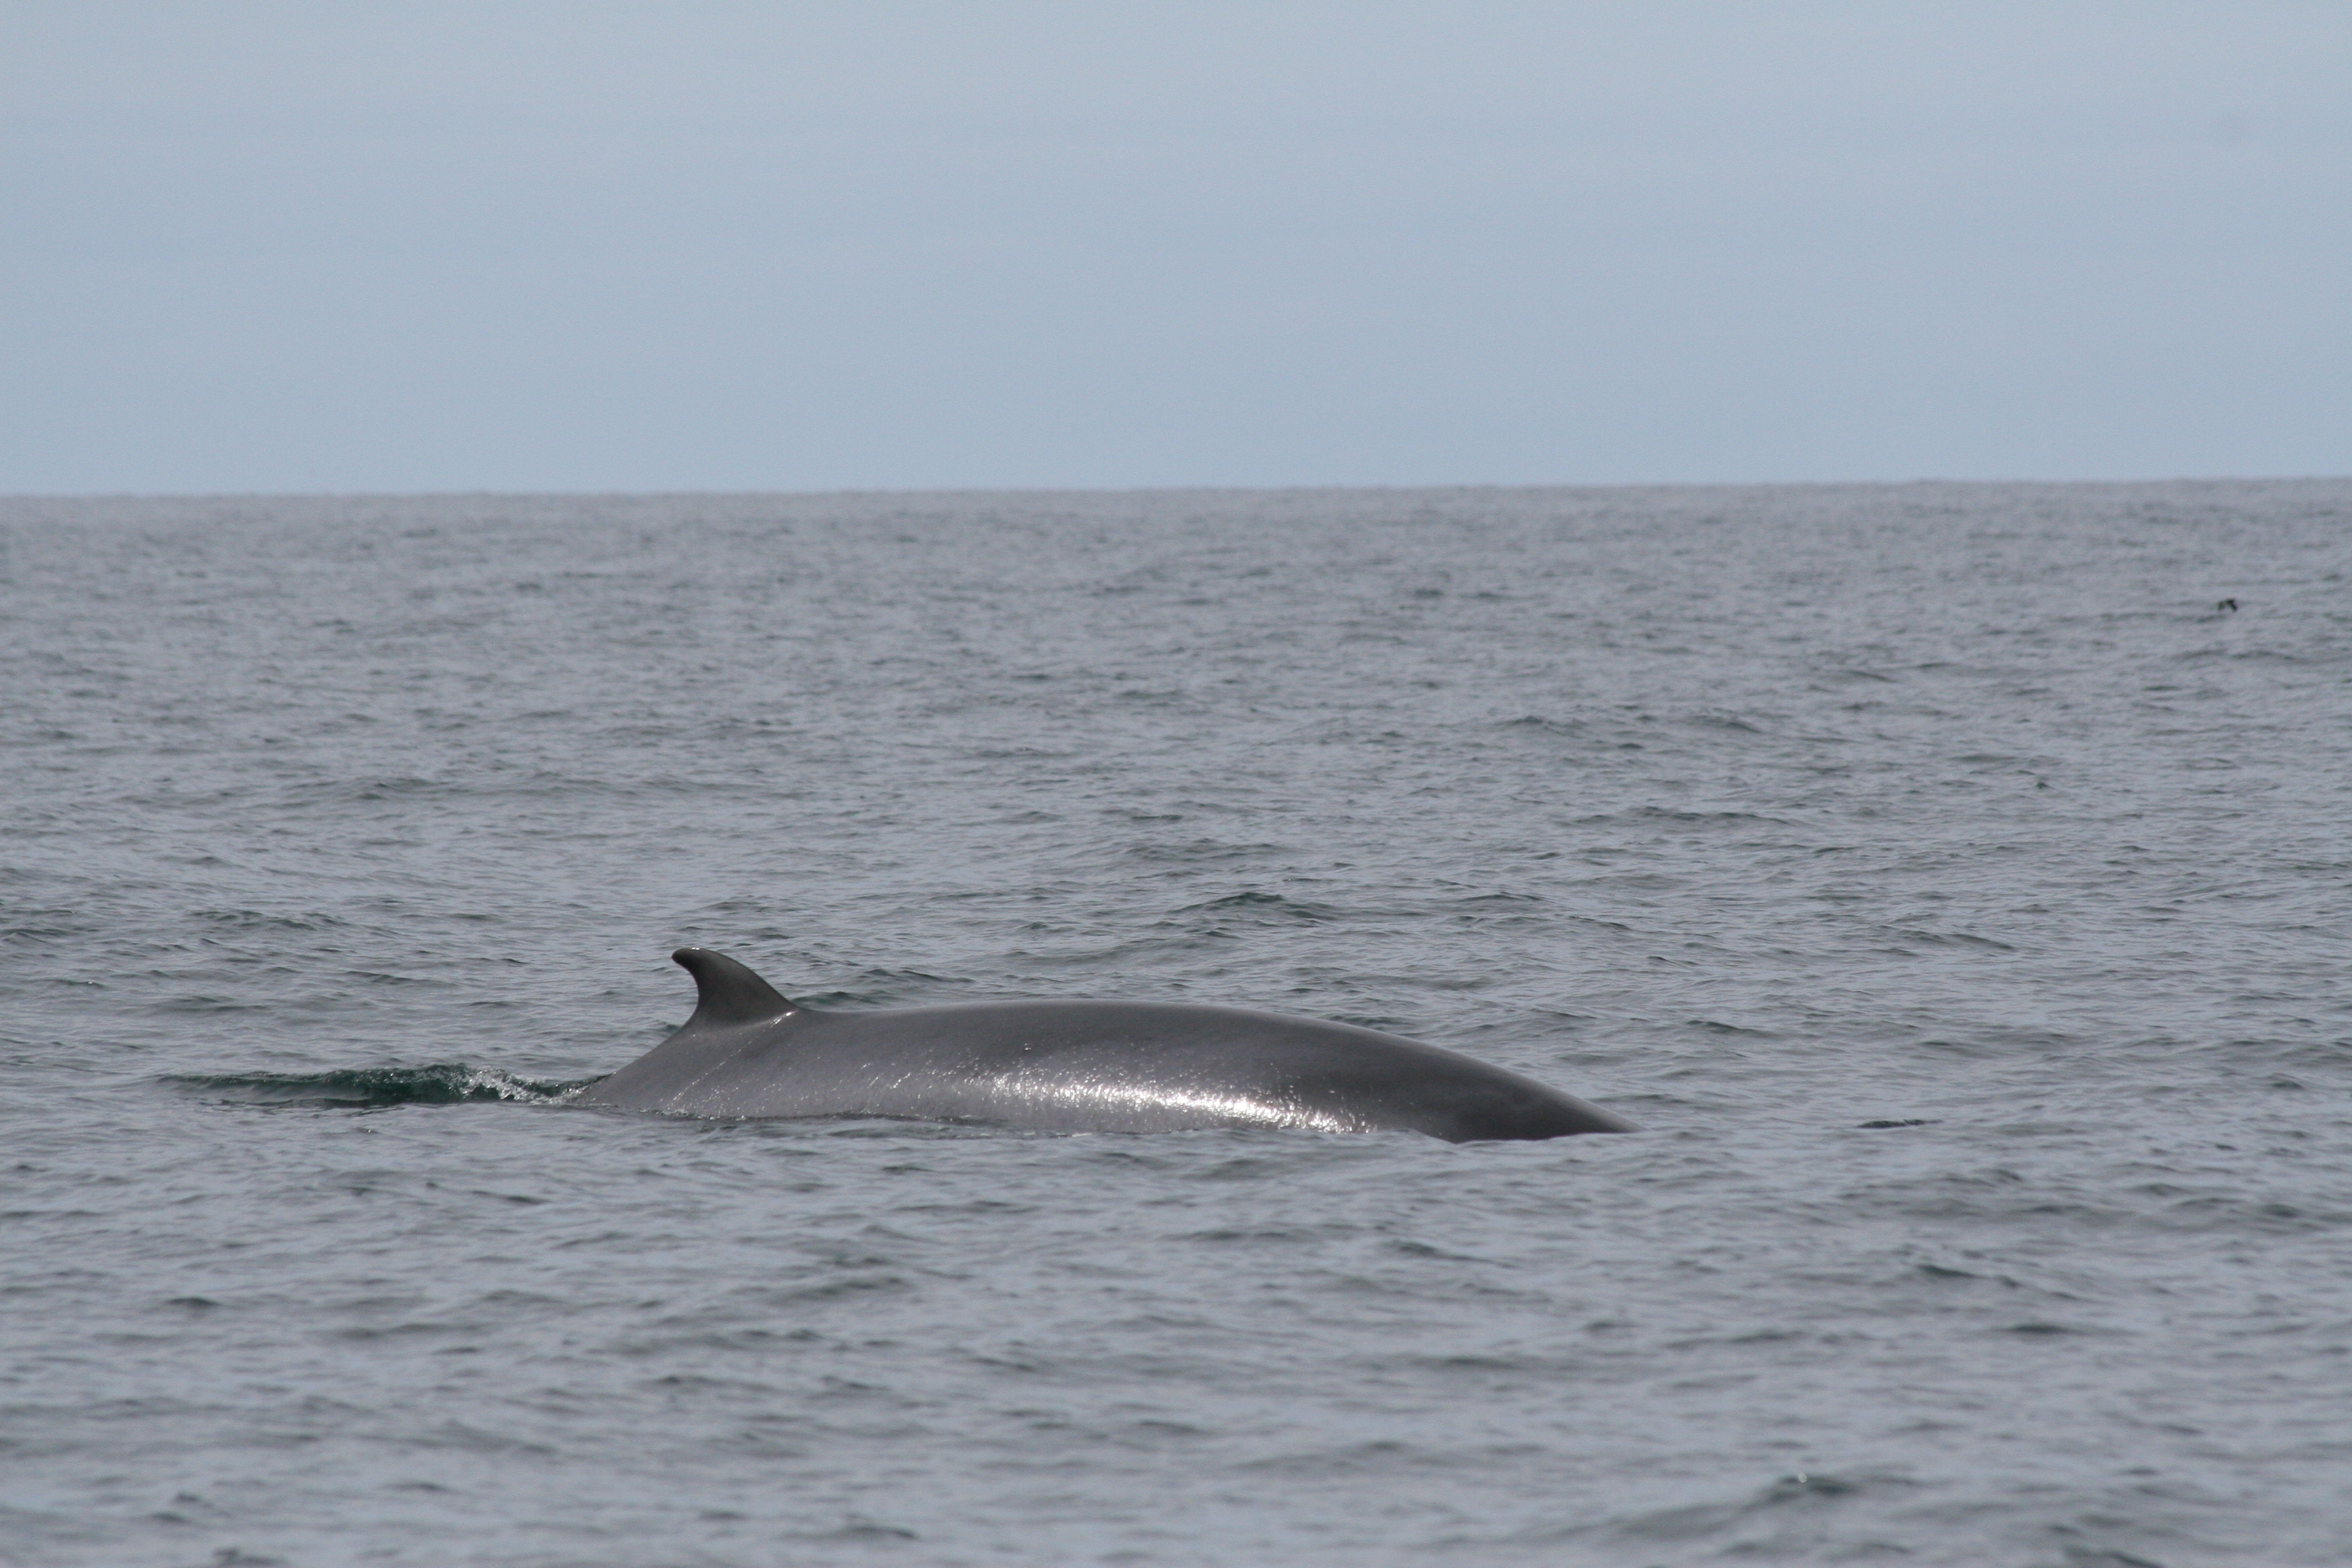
{"type": "Point", "coordinates": [2227, 605]}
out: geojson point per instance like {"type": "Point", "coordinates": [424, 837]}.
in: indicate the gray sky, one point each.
{"type": "Point", "coordinates": [698, 247]}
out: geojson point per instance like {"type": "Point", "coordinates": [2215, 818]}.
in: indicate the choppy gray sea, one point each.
{"type": "Point", "coordinates": [1954, 884]}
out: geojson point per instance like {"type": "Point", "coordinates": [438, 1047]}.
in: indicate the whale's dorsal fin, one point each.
{"type": "Point", "coordinates": [730, 992]}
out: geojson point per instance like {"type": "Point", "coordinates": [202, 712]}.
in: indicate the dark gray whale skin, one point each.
{"type": "Point", "coordinates": [1071, 1066]}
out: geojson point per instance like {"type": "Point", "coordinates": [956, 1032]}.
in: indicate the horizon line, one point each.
{"type": "Point", "coordinates": [1347, 487]}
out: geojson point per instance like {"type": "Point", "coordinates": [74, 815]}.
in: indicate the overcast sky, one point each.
{"type": "Point", "coordinates": [796, 246]}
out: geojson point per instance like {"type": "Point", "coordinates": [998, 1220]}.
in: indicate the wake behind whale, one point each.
{"type": "Point", "coordinates": [1072, 1066]}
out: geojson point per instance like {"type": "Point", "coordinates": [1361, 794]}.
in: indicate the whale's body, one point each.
{"type": "Point", "coordinates": [1072, 1066]}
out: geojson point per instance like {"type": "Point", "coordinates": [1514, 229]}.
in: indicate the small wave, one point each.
{"type": "Point", "coordinates": [1716, 1026]}
{"type": "Point", "coordinates": [1961, 939]}
{"type": "Point", "coordinates": [1801, 1492]}
{"type": "Point", "coordinates": [1728, 722]}
{"type": "Point", "coordinates": [1255, 908]}
{"type": "Point", "coordinates": [257, 919]}
{"type": "Point", "coordinates": [443, 1083]}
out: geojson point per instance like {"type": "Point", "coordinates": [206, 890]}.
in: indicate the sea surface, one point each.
{"type": "Point", "coordinates": [1954, 880]}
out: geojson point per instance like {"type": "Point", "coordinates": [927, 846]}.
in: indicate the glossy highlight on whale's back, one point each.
{"type": "Point", "coordinates": [1072, 1066]}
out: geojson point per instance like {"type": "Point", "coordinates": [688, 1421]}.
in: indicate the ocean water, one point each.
{"type": "Point", "coordinates": [1955, 880]}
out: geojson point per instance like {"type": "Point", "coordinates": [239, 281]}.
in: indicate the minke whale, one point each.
{"type": "Point", "coordinates": [1071, 1066]}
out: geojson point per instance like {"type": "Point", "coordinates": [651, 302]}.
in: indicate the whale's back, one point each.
{"type": "Point", "coordinates": [1076, 1066]}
